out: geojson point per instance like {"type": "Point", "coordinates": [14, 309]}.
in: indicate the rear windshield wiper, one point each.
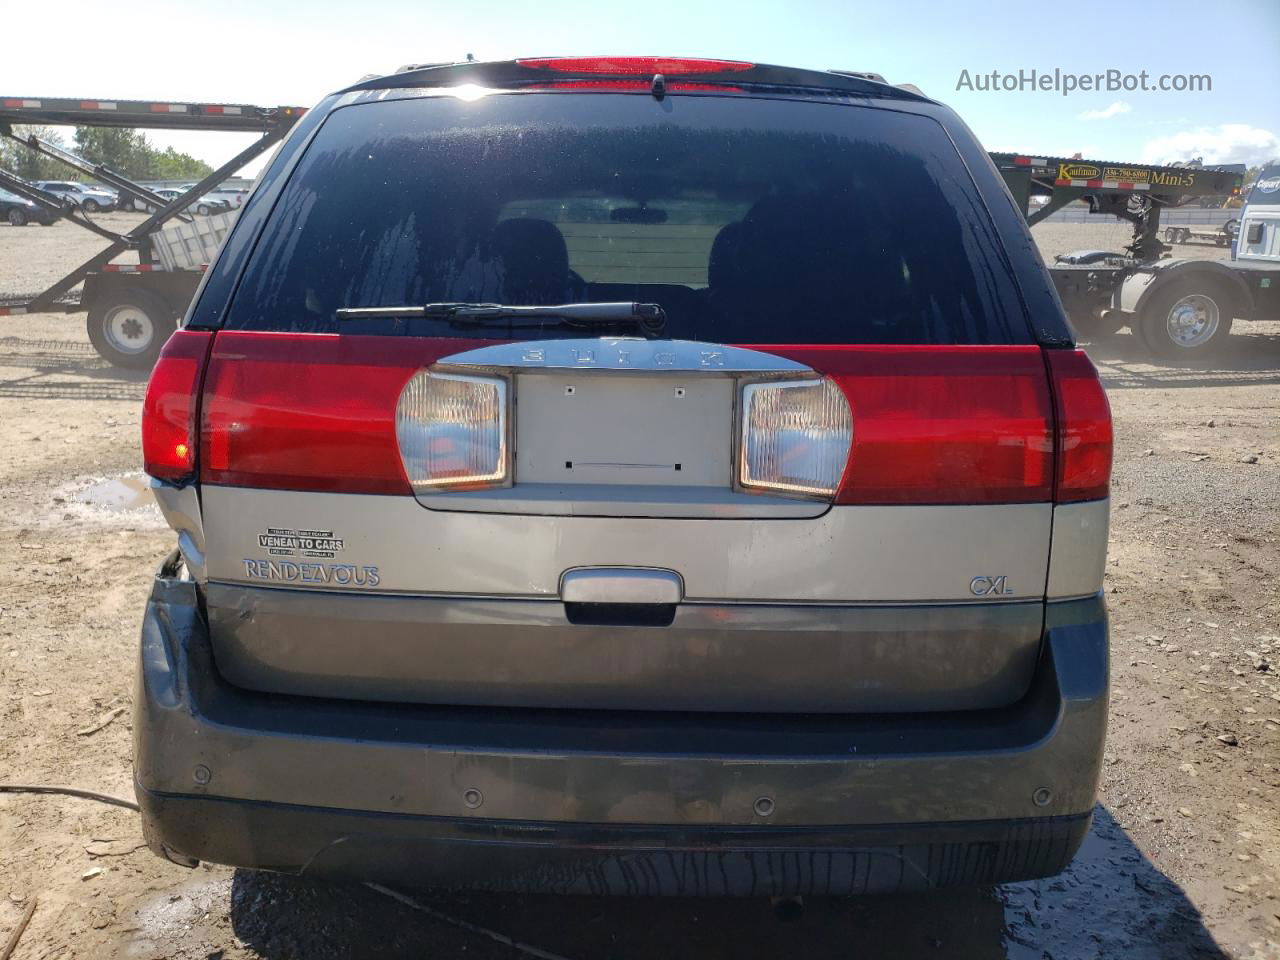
{"type": "Point", "coordinates": [649, 318]}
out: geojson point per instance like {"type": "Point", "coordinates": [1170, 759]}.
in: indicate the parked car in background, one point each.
{"type": "Point", "coordinates": [204, 205]}
{"type": "Point", "coordinates": [89, 198]}
{"type": "Point", "coordinates": [233, 195]}
{"type": "Point", "coordinates": [19, 212]}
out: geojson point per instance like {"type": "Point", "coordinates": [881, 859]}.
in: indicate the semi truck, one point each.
{"type": "Point", "coordinates": [1181, 308]}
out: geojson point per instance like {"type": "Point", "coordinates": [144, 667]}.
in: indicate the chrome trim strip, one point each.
{"type": "Point", "coordinates": [624, 354]}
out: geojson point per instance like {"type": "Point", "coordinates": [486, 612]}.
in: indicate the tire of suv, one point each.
{"type": "Point", "coordinates": [129, 328]}
{"type": "Point", "coordinates": [203, 209]}
{"type": "Point", "coordinates": [1189, 319]}
{"type": "Point", "coordinates": [91, 206]}
{"type": "Point", "coordinates": [17, 218]}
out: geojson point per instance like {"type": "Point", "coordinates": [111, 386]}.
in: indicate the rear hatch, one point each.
{"type": "Point", "coordinates": [828, 485]}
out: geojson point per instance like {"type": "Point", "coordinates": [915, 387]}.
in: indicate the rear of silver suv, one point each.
{"type": "Point", "coordinates": [627, 475]}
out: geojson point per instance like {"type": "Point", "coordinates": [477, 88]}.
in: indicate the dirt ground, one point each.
{"type": "Point", "coordinates": [1183, 860]}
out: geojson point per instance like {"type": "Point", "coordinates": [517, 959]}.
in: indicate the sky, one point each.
{"type": "Point", "coordinates": [293, 52]}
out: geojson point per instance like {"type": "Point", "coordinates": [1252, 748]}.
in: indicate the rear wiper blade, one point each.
{"type": "Point", "coordinates": [649, 318]}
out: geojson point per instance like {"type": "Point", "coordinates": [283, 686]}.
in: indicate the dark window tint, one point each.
{"type": "Point", "coordinates": [749, 220]}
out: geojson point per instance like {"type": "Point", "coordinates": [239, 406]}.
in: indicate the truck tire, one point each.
{"type": "Point", "coordinates": [128, 328]}
{"type": "Point", "coordinates": [1187, 320]}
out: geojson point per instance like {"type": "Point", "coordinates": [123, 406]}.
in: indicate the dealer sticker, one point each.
{"type": "Point", "coordinates": [285, 542]}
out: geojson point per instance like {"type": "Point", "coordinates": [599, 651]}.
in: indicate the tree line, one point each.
{"type": "Point", "coordinates": [127, 152]}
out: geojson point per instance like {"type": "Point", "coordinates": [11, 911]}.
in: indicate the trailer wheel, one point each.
{"type": "Point", "coordinates": [17, 217]}
{"type": "Point", "coordinates": [1189, 319]}
{"type": "Point", "coordinates": [129, 327]}
{"type": "Point", "coordinates": [1170, 234]}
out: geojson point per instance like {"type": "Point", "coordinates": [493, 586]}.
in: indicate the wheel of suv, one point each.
{"type": "Point", "coordinates": [1189, 319]}
{"type": "Point", "coordinates": [203, 209]}
{"type": "Point", "coordinates": [129, 329]}
{"type": "Point", "coordinates": [91, 206]}
{"type": "Point", "coordinates": [17, 217]}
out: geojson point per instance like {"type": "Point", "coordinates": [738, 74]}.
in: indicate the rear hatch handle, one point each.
{"type": "Point", "coordinates": [622, 585]}
{"type": "Point", "coordinates": [621, 596]}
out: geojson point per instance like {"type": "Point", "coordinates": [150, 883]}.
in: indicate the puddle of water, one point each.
{"type": "Point", "coordinates": [119, 494]}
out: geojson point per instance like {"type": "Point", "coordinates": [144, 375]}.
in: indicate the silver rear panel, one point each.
{"type": "Point", "coordinates": [850, 554]}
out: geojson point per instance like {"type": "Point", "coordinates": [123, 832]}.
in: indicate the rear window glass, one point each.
{"type": "Point", "coordinates": [749, 220]}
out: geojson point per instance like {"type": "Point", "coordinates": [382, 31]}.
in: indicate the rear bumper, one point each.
{"type": "Point", "coordinates": [612, 800]}
{"type": "Point", "coordinates": [609, 858]}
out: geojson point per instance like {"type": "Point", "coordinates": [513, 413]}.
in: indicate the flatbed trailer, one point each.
{"type": "Point", "coordinates": [1217, 236]}
{"type": "Point", "coordinates": [1180, 308]}
{"type": "Point", "coordinates": [132, 307]}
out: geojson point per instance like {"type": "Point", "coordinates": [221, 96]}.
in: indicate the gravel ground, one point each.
{"type": "Point", "coordinates": [1183, 859]}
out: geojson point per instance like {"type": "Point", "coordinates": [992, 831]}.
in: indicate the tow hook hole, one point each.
{"type": "Point", "coordinates": [472, 797]}
{"type": "Point", "coordinates": [763, 806]}
{"type": "Point", "coordinates": [1042, 797]}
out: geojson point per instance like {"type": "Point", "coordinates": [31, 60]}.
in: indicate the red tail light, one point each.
{"type": "Point", "coordinates": [169, 410]}
{"type": "Point", "coordinates": [941, 425]}
{"type": "Point", "coordinates": [1084, 427]}
{"type": "Point", "coordinates": [309, 411]}
{"type": "Point", "coordinates": [622, 66]}
{"type": "Point", "coordinates": [634, 86]}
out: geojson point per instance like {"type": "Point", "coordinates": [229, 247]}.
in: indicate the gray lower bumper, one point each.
{"type": "Point", "coordinates": [283, 782]}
